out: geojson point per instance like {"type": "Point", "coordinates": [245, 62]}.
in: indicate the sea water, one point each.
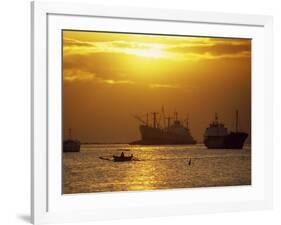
{"type": "Point", "coordinates": [154, 167]}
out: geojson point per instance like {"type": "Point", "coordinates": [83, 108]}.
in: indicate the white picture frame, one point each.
{"type": "Point", "coordinates": [49, 205]}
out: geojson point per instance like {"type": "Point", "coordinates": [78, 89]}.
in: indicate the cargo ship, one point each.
{"type": "Point", "coordinates": [217, 136]}
{"type": "Point", "coordinates": [164, 130]}
{"type": "Point", "coordinates": [71, 145]}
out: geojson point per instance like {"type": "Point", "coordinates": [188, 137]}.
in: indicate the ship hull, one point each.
{"type": "Point", "coordinates": [234, 140]}
{"type": "Point", "coordinates": [155, 136]}
{"type": "Point", "coordinates": [71, 146]}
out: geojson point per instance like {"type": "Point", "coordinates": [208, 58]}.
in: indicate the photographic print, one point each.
{"type": "Point", "coordinates": [154, 111]}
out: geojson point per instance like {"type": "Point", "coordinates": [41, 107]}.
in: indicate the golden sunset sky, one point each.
{"type": "Point", "coordinates": [108, 77]}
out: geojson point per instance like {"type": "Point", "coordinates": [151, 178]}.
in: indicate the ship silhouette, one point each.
{"type": "Point", "coordinates": [217, 136]}
{"type": "Point", "coordinates": [164, 130]}
{"type": "Point", "coordinates": [71, 145]}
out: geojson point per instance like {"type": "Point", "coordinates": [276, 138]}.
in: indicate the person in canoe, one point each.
{"type": "Point", "coordinates": [122, 158]}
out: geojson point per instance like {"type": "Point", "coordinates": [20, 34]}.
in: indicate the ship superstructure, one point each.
{"type": "Point", "coordinates": [217, 136]}
{"type": "Point", "coordinates": [164, 130]}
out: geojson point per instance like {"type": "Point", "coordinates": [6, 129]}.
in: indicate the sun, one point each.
{"type": "Point", "coordinates": [153, 51]}
{"type": "Point", "coordinates": [150, 53]}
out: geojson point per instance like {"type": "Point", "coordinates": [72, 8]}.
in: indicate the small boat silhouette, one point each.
{"type": "Point", "coordinates": [122, 158]}
{"type": "Point", "coordinates": [71, 145]}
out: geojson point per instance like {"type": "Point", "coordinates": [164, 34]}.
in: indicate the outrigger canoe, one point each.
{"type": "Point", "coordinates": [122, 158]}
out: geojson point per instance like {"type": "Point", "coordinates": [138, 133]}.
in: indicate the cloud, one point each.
{"type": "Point", "coordinates": [215, 47]}
{"type": "Point", "coordinates": [77, 75]}
{"type": "Point", "coordinates": [150, 64]}
{"type": "Point", "coordinates": [100, 45]}
{"type": "Point", "coordinates": [72, 47]}
{"type": "Point", "coordinates": [69, 42]}
{"type": "Point", "coordinates": [192, 49]}
{"type": "Point", "coordinates": [82, 76]}
{"type": "Point", "coordinates": [101, 64]}
{"type": "Point", "coordinates": [116, 81]}
{"type": "Point", "coordinates": [173, 86]}
{"type": "Point", "coordinates": [70, 75]}
{"type": "Point", "coordinates": [211, 56]}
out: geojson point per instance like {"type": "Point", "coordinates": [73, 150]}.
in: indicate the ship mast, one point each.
{"type": "Point", "coordinates": [216, 118]}
{"type": "Point", "coordinates": [141, 120]}
{"type": "Point", "coordinates": [163, 115]}
{"type": "Point", "coordinates": [176, 115]}
{"type": "Point", "coordinates": [236, 124]}
{"type": "Point", "coordinates": [169, 120]}
{"type": "Point", "coordinates": [69, 133]}
{"type": "Point", "coordinates": [187, 121]}
{"type": "Point", "coordinates": [154, 114]}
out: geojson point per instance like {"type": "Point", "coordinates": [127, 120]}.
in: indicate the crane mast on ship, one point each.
{"type": "Point", "coordinates": [159, 120]}
{"type": "Point", "coordinates": [169, 118]}
{"type": "Point", "coordinates": [163, 130]}
{"type": "Point", "coordinates": [236, 122]}
{"type": "Point", "coordinates": [154, 114]}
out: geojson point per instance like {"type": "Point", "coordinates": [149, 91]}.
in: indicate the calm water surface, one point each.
{"type": "Point", "coordinates": [155, 167]}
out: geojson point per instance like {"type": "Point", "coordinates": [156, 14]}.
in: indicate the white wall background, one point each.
{"type": "Point", "coordinates": [15, 109]}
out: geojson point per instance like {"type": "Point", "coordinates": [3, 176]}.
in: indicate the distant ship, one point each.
{"type": "Point", "coordinates": [71, 145]}
{"type": "Point", "coordinates": [217, 137]}
{"type": "Point", "coordinates": [172, 133]}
